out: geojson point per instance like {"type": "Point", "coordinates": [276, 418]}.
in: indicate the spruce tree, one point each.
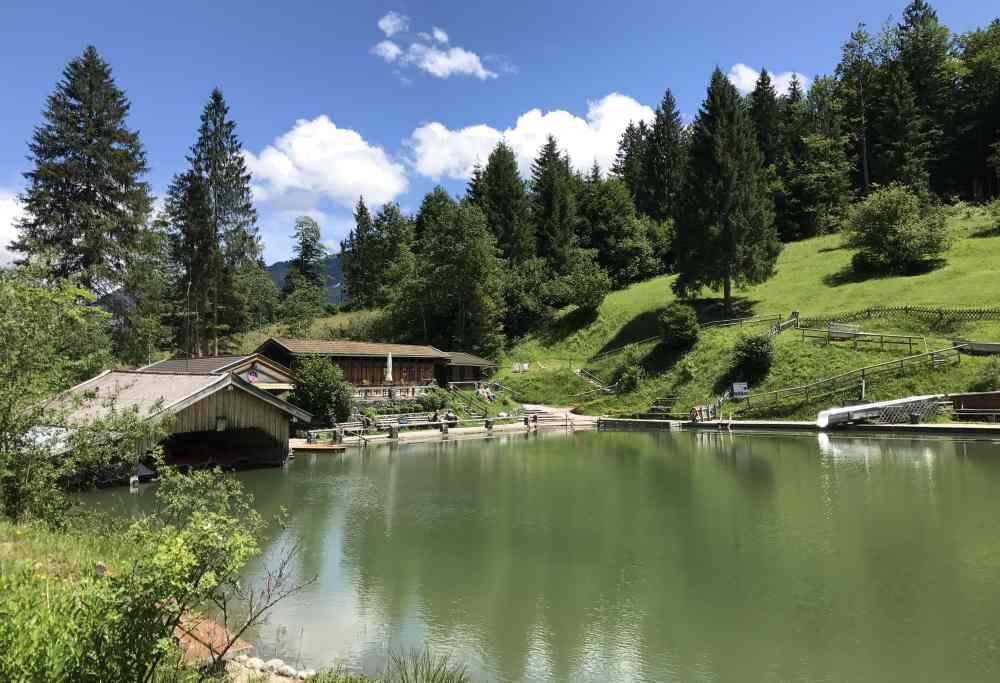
{"type": "Point", "coordinates": [356, 256]}
{"type": "Point", "coordinates": [856, 77]}
{"type": "Point", "coordinates": [903, 144]}
{"type": "Point", "coordinates": [629, 159]}
{"type": "Point", "coordinates": [766, 117]}
{"type": "Point", "coordinates": [725, 230]}
{"type": "Point", "coordinates": [663, 162]}
{"type": "Point", "coordinates": [308, 268]}
{"type": "Point", "coordinates": [85, 202]}
{"type": "Point", "coordinates": [503, 200]}
{"type": "Point", "coordinates": [553, 205]}
{"type": "Point", "coordinates": [791, 212]}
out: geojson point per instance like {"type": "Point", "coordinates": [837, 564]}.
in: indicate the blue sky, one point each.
{"type": "Point", "coordinates": [333, 99]}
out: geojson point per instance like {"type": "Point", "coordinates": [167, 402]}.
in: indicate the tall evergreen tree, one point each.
{"type": "Point", "coordinates": [663, 162]}
{"type": "Point", "coordinates": [553, 205]}
{"type": "Point", "coordinates": [85, 202]}
{"type": "Point", "coordinates": [979, 112]}
{"type": "Point", "coordinates": [903, 145]}
{"type": "Point", "coordinates": [309, 264]}
{"type": "Point", "coordinates": [766, 117]}
{"type": "Point", "coordinates": [856, 76]}
{"type": "Point", "coordinates": [791, 210]}
{"type": "Point", "coordinates": [355, 256]}
{"type": "Point", "coordinates": [629, 159]}
{"type": "Point", "coordinates": [503, 200]}
{"type": "Point", "coordinates": [925, 53]}
{"type": "Point", "coordinates": [725, 230]}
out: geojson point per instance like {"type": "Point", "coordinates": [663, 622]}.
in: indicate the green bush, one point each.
{"type": "Point", "coordinates": [993, 211]}
{"type": "Point", "coordinates": [894, 230]}
{"type": "Point", "coordinates": [990, 379]}
{"type": "Point", "coordinates": [752, 358]}
{"type": "Point", "coordinates": [679, 324]}
{"type": "Point", "coordinates": [320, 388]}
{"type": "Point", "coordinates": [630, 371]}
{"type": "Point", "coordinates": [584, 284]}
{"type": "Point", "coordinates": [433, 399]}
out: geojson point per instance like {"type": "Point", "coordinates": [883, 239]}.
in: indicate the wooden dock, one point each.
{"type": "Point", "coordinates": [303, 446]}
{"type": "Point", "coordinates": [975, 430]}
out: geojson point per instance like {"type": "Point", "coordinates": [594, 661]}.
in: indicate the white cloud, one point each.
{"type": "Point", "coordinates": [393, 23]}
{"type": "Point", "coordinates": [317, 157]}
{"type": "Point", "coordinates": [439, 151]}
{"type": "Point", "coordinates": [448, 62]}
{"type": "Point", "coordinates": [745, 79]}
{"type": "Point", "coordinates": [387, 50]}
{"type": "Point", "coordinates": [440, 35]}
{"type": "Point", "coordinates": [10, 213]}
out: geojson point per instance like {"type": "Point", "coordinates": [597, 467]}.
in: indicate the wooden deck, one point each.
{"type": "Point", "coordinates": [303, 446]}
{"type": "Point", "coordinates": [955, 429]}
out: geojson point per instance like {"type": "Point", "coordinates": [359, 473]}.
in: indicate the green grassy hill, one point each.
{"type": "Point", "coordinates": [813, 277]}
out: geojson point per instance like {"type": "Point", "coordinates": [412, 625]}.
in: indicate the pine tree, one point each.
{"type": "Point", "coordinates": [85, 203]}
{"type": "Point", "coordinates": [766, 117]}
{"type": "Point", "coordinates": [309, 265]}
{"type": "Point", "coordinates": [630, 157]}
{"type": "Point", "coordinates": [725, 230]}
{"type": "Point", "coordinates": [553, 205]}
{"type": "Point", "coordinates": [663, 162]}
{"type": "Point", "coordinates": [902, 146]}
{"type": "Point", "coordinates": [856, 77]}
{"type": "Point", "coordinates": [502, 198]}
{"type": "Point", "coordinates": [356, 256]}
{"type": "Point", "coordinates": [791, 212]}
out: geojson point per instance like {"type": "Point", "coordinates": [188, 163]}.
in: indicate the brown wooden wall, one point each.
{"type": "Point", "coordinates": [371, 371]}
{"type": "Point", "coordinates": [241, 410]}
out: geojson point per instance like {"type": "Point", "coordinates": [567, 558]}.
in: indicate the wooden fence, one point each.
{"type": "Point", "coordinates": [929, 313]}
{"type": "Point", "coordinates": [852, 379]}
{"type": "Point", "coordinates": [831, 334]}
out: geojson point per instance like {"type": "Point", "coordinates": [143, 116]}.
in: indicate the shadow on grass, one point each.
{"type": "Point", "coordinates": [852, 274]}
{"type": "Point", "coordinates": [710, 309]}
{"type": "Point", "coordinates": [987, 232]}
{"type": "Point", "coordinates": [563, 327]}
{"type": "Point", "coordinates": [642, 326]}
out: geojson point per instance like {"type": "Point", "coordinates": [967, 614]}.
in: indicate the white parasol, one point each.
{"type": "Point", "coordinates": [388, 368]}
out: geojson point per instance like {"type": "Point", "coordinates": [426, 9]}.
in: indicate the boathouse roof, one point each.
{"type": "Point", "coordinates": [463, 358]}
{"type": "Point", "coordinates": [154, 394]}
{"type": "Point", "coordinates": [194, 366]}
{"type": "Point", "coordinates": [341, 347]}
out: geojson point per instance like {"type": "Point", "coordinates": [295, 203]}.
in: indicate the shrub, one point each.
{"type": "Point", "coordinates": [321, 389]}
{"type": "Point", "coordinates": [679, 324]}
{"type": "Point", "coordinates": [990, 379]}
{"type": "Point", "coordinates": [993, 211]}
{"type": "Point", "coordinates": [433, 399]}
{"type": "Point", "coordinates": [630, 371]}
{"type": "Point", "coordinates": [893, 230]}
{"type": "Point", "coordinates": [752, 357]}
{"type": "Point", "coordinates": [585, 283]}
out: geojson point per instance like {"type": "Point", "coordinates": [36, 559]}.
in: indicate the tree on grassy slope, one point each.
{"type": "Point", "coordinates": [725, 230]}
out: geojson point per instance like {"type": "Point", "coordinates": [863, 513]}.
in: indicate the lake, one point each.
{"type": "Point", "coordinates": [684, 556]}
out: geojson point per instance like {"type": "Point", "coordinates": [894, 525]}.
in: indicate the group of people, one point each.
{"type": "Point", "coordinates": [484, 392]}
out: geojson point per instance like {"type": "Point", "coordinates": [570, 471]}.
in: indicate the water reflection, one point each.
{"type": "Point", "coordinates": [676, 556]}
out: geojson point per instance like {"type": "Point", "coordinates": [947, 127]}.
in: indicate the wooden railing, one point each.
{"type": "Point", "coordinates": [386, 392]}
{"type": "Point", "coordinates": [852, 379]}
{"type": "Point", "coordinates": [929, 313]}
{"type": "Point", "coordinates": [831, 334]}
{"type": "Point", "coordinates": [774, 319]}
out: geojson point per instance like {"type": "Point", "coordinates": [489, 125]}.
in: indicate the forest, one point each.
{"type": "Point", "coordinates": [910, 116]}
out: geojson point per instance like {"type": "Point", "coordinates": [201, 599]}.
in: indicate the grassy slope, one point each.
{"type": "Point", "coordinates": [325, 327]}
{"type": "Point", "coordinates": [813, 277]}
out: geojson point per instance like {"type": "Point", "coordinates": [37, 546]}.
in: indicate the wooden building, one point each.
{"type": "Point", "coordinates": [262, 372]}
{"type": "Point", "coordinates": [466, 367]}
{"type": "Point", "coordinates": [214, 418]}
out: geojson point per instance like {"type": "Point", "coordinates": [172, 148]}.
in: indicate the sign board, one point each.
{"type": "Point", "coordinates": [252, 376]}
{"type": "Point", "coordinates": [740, 389]}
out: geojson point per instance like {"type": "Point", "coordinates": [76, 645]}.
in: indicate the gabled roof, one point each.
{"type": "Point", "coordinates": [214, 364]}
{"type": "Point", "coordinates": [193, 366]}
{"type": "Point", "coordinates": [341, 347]}
{"type": "Point", "coordinates": [463, 358]}
{"type": "Point", "coordinates": [154, 394]}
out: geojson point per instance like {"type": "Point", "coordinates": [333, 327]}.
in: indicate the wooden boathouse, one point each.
{"type": "Point", "coordinates": [262, 372]}
{"type": "Point", "coordinates": [214, 418]}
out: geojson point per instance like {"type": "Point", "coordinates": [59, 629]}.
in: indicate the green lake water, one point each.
{"type": "Point", "coordinates": [646, 557]}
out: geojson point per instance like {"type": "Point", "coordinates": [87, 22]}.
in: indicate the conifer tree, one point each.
{"type": "Point", "coordinates": [902, 144]}
{"type": "Point", "coordinates": [725, 230]}
{"type": "Point", "coordinates": [85, 202]}
{"type": "Point", "coordinates": [663, 162]}
{"type": "Point", "coordinates": [856, 77]}
{"type": "Point", "coordinates": [553, 205]}
{"type": "Point", "coordinates": [502, 198]}
{"type": "Point", "coordinates": [308, 267]}
{"type": "Point", "coordinates": [355, 256]}
{"type": "Point", "coordinates": [766, 118]}
{"type": "Point", "coordinates": [629, 159]}
{"type": "Point", "coordinates": [791, 211]}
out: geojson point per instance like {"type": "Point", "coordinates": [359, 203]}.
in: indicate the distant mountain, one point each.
{"type": "Point", "coordinates": [334, 277]}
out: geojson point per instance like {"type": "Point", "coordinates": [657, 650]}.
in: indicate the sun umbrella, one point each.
{"type": "Point", "coordinates": [388, 368]}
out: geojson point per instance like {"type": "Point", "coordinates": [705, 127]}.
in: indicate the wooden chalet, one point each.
{"type": "Point", "coordinates": [214, 418]}
{"type": "Point", "coordinates": [466, 367]}
{"type": "Point", "coordinates": [382, 371]}
{"type": "Point", "coordinates": [262, 372]}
